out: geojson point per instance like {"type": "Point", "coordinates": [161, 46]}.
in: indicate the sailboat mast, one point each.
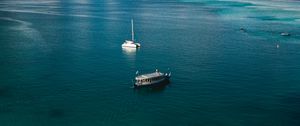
{"type": "Point", "coordinates": [132, 32]}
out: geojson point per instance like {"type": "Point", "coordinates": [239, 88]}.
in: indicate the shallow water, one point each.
{"type": "Point", "coordinates": [62, 63]}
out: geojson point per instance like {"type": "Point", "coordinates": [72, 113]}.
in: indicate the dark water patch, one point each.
{"type": "Point", "coordinates": [56, 113]}
{"type": "Point", "coordinates": [272, 35]}
{"type": "Point", "coordinates": [292, 99]}
{"type": "Point", "coordinates": [252, 108]}
{"type": "Point", "coordinates": [271, 18]}
{"type": "Point", "coordinates": [6, 108]}
{"type": "Point", "coordinates": [5, 91]}
{"type": "Point", "coordinates": [292, 103]}
{"type": "Point", "coordinates": [266, 18]}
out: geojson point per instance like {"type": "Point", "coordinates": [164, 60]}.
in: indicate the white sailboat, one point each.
{"type": "Point", "coordinates": [131, 43]}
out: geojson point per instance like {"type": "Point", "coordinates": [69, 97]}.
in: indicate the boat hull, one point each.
{"type": "Point", "coordinates": [135, 45]}
{"type": "Point", "coordinates": [163, 82]}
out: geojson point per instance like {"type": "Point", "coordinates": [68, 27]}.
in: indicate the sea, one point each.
{"type": "Point", "coordinates": [61, 62]}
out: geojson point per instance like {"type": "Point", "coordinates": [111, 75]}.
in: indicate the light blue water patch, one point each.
{"type": "Point", "coordinates": [277, 16]}
{"type": "Point", "coordinates": [264, 10]}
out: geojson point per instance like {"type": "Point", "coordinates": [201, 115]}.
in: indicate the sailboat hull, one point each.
{"type": "Point", "coordinates": [130, 44]}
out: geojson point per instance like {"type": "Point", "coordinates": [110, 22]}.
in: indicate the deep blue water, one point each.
{"type": "Point", "coordinates": [61, 63]}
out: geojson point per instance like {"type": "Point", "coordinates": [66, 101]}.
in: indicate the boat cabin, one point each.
{"type": "Point", "coordinates": [151, 78]}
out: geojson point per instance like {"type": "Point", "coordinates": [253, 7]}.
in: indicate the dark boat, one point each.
{"type": "Point", "coordinates": [152, 79]}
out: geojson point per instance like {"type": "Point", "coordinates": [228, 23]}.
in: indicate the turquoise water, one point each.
{"type": "Point", "coordinates": [62, 63]}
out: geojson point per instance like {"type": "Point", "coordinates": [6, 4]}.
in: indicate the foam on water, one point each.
{"type": "Point", "coordinates": [25, 28]}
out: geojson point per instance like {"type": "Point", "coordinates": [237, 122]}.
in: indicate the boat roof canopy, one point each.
{"type": "Point", "coordinates": [149, 76]}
